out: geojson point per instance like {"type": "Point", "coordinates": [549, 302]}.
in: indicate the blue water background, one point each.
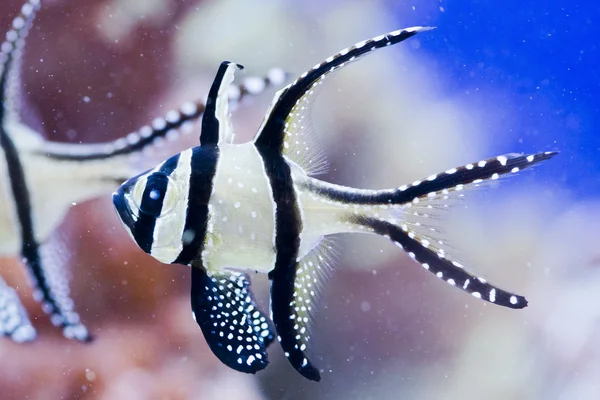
{"type": "Point", "coordinates": [544, 54]}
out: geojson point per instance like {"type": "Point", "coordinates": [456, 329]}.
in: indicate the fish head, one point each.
{"type": "Point", "coordinates": [150, 207]}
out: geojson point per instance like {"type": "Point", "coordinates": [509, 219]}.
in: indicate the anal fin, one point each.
{"type": "Point", "coordinates": [237, 332]}
{"type": "Point", "coordinates": [293, 301]}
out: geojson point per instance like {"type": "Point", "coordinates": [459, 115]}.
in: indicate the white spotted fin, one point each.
{"type": "Point", "coordinates": [287, 127]}
{"type": "Point", "coordinates": [235, 329]}
{"type": "Point", "coordinates": [285, 131]}
{"type": "Point", "coordinates": [406, 216]}
{"type": "Point", "coordinates": [50, 288]}
{"type": "Point", "coordinates": [308, 278]}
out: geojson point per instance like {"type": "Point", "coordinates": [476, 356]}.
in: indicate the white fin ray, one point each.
{"type": "Point", "coordinates": [312, 271]}
{"type": "Point", "coordinates": [286, 127]}
{"type": "Point", "coordinates": [435, 240]}
{"type": "Point", "coordinates": [423, 217]}
{"type": "Point", "coordinates": [435, 260]}
{"type": "Point", "coordinates": [453, 183]}
{"type": "Point", "coordinates": [301, 144]}
{"type": "Point", "coordinates": [426, 218]}
{"type": "Point", "coordinates": [320, 262]}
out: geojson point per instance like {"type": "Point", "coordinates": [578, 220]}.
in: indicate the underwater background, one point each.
{"type": "Point", "coordinates": [493, 78]}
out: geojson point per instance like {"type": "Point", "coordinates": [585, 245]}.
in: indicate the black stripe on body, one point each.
{"type": "Point", "coordinates": [451, 272]}
{"type": "Point", "coordinates": [152, 203]}
{"type": "Point", "coordinates": [288, 226]}
{"type": "Point", "coordinates": [273, 132]}
{"type": "Point", "coordinates": [435, 185]}
{"type": "Point", "coordinates": [203, 171]}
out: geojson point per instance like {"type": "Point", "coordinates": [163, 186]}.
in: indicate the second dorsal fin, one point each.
{"type": "Point", "coordinates": [284, 120]}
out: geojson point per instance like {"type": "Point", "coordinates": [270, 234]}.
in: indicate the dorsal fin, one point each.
{"type": "Point", "coordinates": [216, 125]}
{"type": "Point", "coordinates": [284, 116]}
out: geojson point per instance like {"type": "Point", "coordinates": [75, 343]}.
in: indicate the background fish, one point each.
{"type": "Point", "coordinates": [40, 180]}
{"type": "Point", "coordinates": [254, 206]}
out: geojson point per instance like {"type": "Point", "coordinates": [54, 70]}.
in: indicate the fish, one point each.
{"type": "Point", "coordinates": [40, 180]}
{"type": "Point", "coordinates": [226, 209]}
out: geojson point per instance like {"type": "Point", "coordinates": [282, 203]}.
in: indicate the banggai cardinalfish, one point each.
{"type": "Point", "coordinates": [222, 207]}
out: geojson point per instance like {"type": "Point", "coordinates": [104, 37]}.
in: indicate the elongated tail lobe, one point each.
{"type": "Point", "coordinates": [410, 202]}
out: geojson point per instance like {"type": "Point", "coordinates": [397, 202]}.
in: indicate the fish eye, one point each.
{"type": "Point", "coordinates": [156, 195]}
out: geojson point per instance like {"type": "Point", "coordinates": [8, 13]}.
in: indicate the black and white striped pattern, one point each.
{"type": "Point", "coordinates": [216, 125]}
{"type": "Point", "coordinates": [152, 201]}
{"type": "Point", "coordinates": [225, 220]}
{"type": "Point", "coordinates": [46, 264]}
{"type": "Point", "coordinates": [202, 172]}
{"type": "Point", "coordinates": [288, 228]}
{"type": "Point", "coordinates": [14, 321]}
{"type": "Point", "coordinates": [459, 179]}
{"type": "Point", "coordinates": [271, 144]}
{"type": "Point", "coordinates": [171, 203]}
{"type": "Point", "coordinates": [446, 269]}
{"type": "Point", "coordinates": [434, 191]}
{"type": "Point", "coordinates": [49, 291]}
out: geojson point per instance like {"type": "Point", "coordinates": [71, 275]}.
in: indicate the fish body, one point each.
{"type": "Point", "coordinates": [41, 180]}
{"type": "Point", "coordinates": [225, 209]}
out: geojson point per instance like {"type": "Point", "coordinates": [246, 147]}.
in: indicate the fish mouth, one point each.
{"type": "Point", "coordinates": [123, 209]}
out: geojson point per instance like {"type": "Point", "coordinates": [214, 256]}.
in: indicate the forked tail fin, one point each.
{"type": "Point", "coordinates": [436, 262]}
{"type": "Point", "coordinates": [405, 216]}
